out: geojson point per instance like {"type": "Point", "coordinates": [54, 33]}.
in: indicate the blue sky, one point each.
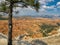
{"type": "Point", "coordinates": [48, 7]}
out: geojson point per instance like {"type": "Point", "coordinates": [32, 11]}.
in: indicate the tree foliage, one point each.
{"type": "Point", "coordinates": [4, 6]}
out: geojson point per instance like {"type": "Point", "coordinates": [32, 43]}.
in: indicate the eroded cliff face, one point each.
{"type": "Point", "coordinates": [28, 26]}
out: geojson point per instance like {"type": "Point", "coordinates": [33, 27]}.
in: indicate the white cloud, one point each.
{"type": "Point", "coordinates": [42, 10]}
{"type": "Point", "coordinates": [49, 0]}
{"type": "Point", "coordinates": [58, 6]}
{"type": "Point", "coordinates": [58, 3]}
{"type": "Point", "coordinates": [42, 2]}
{"type": "Point", "coordinates": [43, 6]}
{"type": "Point", "coordinates": [47, 7]}
{"type": "Point", "coordinates": [45, 1]}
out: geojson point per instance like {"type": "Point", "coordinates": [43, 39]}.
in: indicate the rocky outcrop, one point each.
{"type": "Point", "coordinates": [51, 40]}
{"type": "Point", "coordinates": [3, 39]}
{"type": "Point", "coordinates": [3, 36]}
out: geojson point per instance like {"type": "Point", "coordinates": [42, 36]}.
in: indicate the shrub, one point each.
{"type": "Point", "coordinates": [45, 29]}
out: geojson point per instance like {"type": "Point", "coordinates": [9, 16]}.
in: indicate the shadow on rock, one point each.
{"type": "Point", "coordinates": [33, 42]}
{"type": "Point", "coordinates": [38, 42]}
{"type": "Point", "coordinates": [23, 43]}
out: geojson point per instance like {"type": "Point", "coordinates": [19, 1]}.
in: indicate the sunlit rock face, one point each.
{"type": "Point", "coordinates": [59, 30]}
{"type": "Point", "coordinates": [3, 39]}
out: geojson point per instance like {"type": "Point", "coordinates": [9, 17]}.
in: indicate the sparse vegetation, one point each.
{"type": "Point", "coordinates": [45, 29]}
{"type": "Point", "coordinates": [58, 24]}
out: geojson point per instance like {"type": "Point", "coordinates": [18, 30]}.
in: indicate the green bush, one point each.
{"type": "Point", "coordinates": [45, 29]}
{"type": "Point", "coordinates": [58, 24]}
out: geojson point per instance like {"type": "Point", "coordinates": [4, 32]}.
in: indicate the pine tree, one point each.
{"type": "Point", "coordinates": [7, 7]}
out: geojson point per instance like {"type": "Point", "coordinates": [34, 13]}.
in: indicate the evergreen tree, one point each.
{"type": "Point", "coordinates": [7, 7]}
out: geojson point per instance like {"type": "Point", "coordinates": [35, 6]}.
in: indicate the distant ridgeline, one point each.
{"type": "Point", "coordinates": [37, 16]}
{"type": "Point", "coordinates": [3, 18]}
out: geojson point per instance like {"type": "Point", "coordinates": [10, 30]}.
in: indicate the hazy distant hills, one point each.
{"type": "Point", "coordinates": [50, 16]}
{"type": "Point", "coordinates": [39, 16]}
{"type": "Point", "coordinates": [35, 16]}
